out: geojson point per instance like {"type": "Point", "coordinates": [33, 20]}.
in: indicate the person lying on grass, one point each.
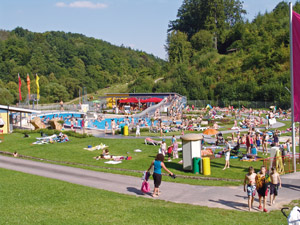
{"type": "Point", "coordinates": [158, 163]}
{"type": "Point", "coordinates": [105, 155]}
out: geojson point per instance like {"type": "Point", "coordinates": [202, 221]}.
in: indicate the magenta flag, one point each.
{"type": "Point", "coordinates": [20, 84]}
{"type": "Point", "coordinates": [296, 65]}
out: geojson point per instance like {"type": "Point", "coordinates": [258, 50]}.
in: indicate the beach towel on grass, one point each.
{"type": "Point", "coordinates": [113, 162]}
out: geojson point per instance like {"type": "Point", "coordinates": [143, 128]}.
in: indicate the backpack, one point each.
{"type": "Point", "coordinates": [145, 187]}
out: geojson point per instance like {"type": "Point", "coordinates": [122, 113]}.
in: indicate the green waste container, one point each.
{"type": "Point", "coordinates": [196, 165]}
{"type": "Point", "coordinates": [122, 129]}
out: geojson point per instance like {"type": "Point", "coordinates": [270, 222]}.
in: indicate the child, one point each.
{"type": "Point", "coordinates": [275, 183]}
{"type": "Point", "coordinates": [251, 188]}
{"type": "Point", "coordinates": [138, 133]}
{"type": "Point", "coordinates": [227, 154]}
{"type": "Point", "coordinates": [106, 126]}
{"type": "Point", "coordinates": [173, 139]}
{"type": "Point", "coordinates": [170, 150]}
{"type": "Point", "coordinates": [288, 145]}
{"type": "Point", "coordinates": [261, 187]}
{"type": "Point", "coordinates": [163, 147]}
{"type": "Point", "coordinates": [158, 163]}
{"type": "Point", "coordinates": [257, 141]}
{"type": "Point", "coordinates": [175, 150]}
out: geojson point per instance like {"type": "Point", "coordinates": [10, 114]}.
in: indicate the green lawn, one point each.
{"type": "Point", "coordinates": [73, 152]}
{"type": "Point", "coordinates": [30, 199]}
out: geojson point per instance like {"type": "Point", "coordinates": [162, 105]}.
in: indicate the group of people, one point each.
{"type": "Point", "coordinates": [170, 150]}
{"type": "Point", "coordinates": [260, 183]}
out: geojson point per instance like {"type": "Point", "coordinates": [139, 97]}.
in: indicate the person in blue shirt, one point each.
{"type": "Point", "coordinates": [158, 163]}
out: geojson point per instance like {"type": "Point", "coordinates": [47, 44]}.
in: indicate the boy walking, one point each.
{"type": "Point", "coordinates": [274, 185]}
{"type": "Point", "coordinates": [251, 188]}
{"type": "Point", "coordinates": [227, 154]}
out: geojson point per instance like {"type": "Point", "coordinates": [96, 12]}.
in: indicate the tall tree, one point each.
{"type": "Point", "coordinates": [212, 15]}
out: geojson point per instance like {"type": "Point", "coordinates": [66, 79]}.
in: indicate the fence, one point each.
{"type": "Point", "coordinates": [287, 163]}
{"type": "Point", "coordinates": [236, 104]}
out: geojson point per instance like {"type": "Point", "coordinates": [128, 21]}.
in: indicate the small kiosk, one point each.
{"type": "Point", "coordinates": [191, 148]}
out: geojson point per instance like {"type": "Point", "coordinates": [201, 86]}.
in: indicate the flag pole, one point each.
{"type": "Point", "coordinates": [292, 87]}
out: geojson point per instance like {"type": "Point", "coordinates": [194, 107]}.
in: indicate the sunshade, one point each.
{"type": "Point", "coordinates": [151, 100]}
{"type": "Point", "coordinates": [129, 100]}
{"type": "Point", "coordinates": [210, 131]}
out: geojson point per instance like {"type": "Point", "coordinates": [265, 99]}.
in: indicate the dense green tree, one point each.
{"type": "Point", "coordinates": [178, 47]}
{"type": "Point", "coordinates": [6, 97]}
{"type": "Point", "coordinates": [212, 15]}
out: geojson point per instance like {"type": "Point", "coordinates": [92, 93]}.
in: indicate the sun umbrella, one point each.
{"type": "Point", "coordinates": [129, 100]}
{"type": "Point", "coordinates": [154, 99]}
{"type": "Point", "coordinates": [210, 131]}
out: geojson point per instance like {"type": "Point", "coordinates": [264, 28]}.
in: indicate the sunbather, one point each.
{"type": "Point", "coordinates": [151, 141]}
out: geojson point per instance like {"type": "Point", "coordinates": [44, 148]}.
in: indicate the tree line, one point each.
{"type": "Point", "coordinates": [65, 63]}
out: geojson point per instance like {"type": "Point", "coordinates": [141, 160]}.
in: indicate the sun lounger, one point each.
{"type": "Point", "coordinates": [200, 128]}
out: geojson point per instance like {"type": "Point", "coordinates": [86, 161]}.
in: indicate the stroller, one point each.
{"type": "Point", "coordinates": [220, 139]}
{"type": "Point", "coordinates": [294, 217]}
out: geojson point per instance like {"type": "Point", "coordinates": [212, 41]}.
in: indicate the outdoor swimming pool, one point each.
{"type": "Point", "coordinates": [93, 123]}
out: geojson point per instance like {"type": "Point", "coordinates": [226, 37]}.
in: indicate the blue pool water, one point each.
{"type": "Point", "coordinates": [91, 123]}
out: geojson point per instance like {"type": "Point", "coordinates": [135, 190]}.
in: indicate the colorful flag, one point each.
{"type": "Point", "coordinates": [37, 87]}
{"type": "Point", "coordinates": [20, 84]}
{"type": "Point", "coordinates": [296, 65]}
{"type": "Point", "coordinates": [28, 86]}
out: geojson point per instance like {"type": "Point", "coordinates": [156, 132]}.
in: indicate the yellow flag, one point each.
{"type": "Point", "coordinates": [37, 87]}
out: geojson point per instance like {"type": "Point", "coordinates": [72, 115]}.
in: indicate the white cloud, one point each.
{"type": "Point", "coordinates": [61, 4]}
{"type": "Point", "coordinates": [82, 4]}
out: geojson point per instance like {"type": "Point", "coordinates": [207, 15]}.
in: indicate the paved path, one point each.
{"type": "Point", "coordinates": [220, 197]}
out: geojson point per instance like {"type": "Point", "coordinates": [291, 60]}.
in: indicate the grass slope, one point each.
{"type": "Point", "coordinates": [114, 88]}
{"type": "Point", "coordinates": [30, 199]}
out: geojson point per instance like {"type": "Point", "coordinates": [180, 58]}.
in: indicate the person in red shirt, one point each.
{"type": "Point", "coordinates": [170, 150]}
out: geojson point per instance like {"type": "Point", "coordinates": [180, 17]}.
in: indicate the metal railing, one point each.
{"type": "Point", "coordinates": [287, 163]}
{"type": "Point", "coordinates": [235, 104]}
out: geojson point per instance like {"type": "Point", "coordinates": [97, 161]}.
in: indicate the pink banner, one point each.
{"type": "Point", "coordinates": [296, 65]}
{"type": "Point", "coordinates": [20, 84]}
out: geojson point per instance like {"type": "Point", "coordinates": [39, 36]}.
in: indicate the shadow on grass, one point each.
{"type": "Point", "coordinates": [174, 165]}
{"type": "Point", "coordinates": [221, 165]}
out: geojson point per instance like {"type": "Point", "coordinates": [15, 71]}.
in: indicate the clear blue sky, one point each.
{"type": "Point", "coordinates": [140, 24]}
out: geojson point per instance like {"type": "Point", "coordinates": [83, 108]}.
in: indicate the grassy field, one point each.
{"type": "Point", "coordinates": [73, 152]}
{"type": "Point", "coordinates": [29, 199]}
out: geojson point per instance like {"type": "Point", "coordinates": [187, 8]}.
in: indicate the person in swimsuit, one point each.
{"type": "Point", "coordinates": [265, 139]}
{"type": "Point", "coordinates": [274, 184]}
{"type": "Point", "coordinates": [251, 188]}
{"type": "Point", "coordinates": [158, 163]}
{"type": "Point", "coordinates": [248, 143]}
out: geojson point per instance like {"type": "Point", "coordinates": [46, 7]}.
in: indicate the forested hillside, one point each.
{"type": "Point", "coordinates": [251, 61]}
{"type": "Point", "coordinates": [66, 62]}
{"type": "Point", "coordinates": [213, 53]}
